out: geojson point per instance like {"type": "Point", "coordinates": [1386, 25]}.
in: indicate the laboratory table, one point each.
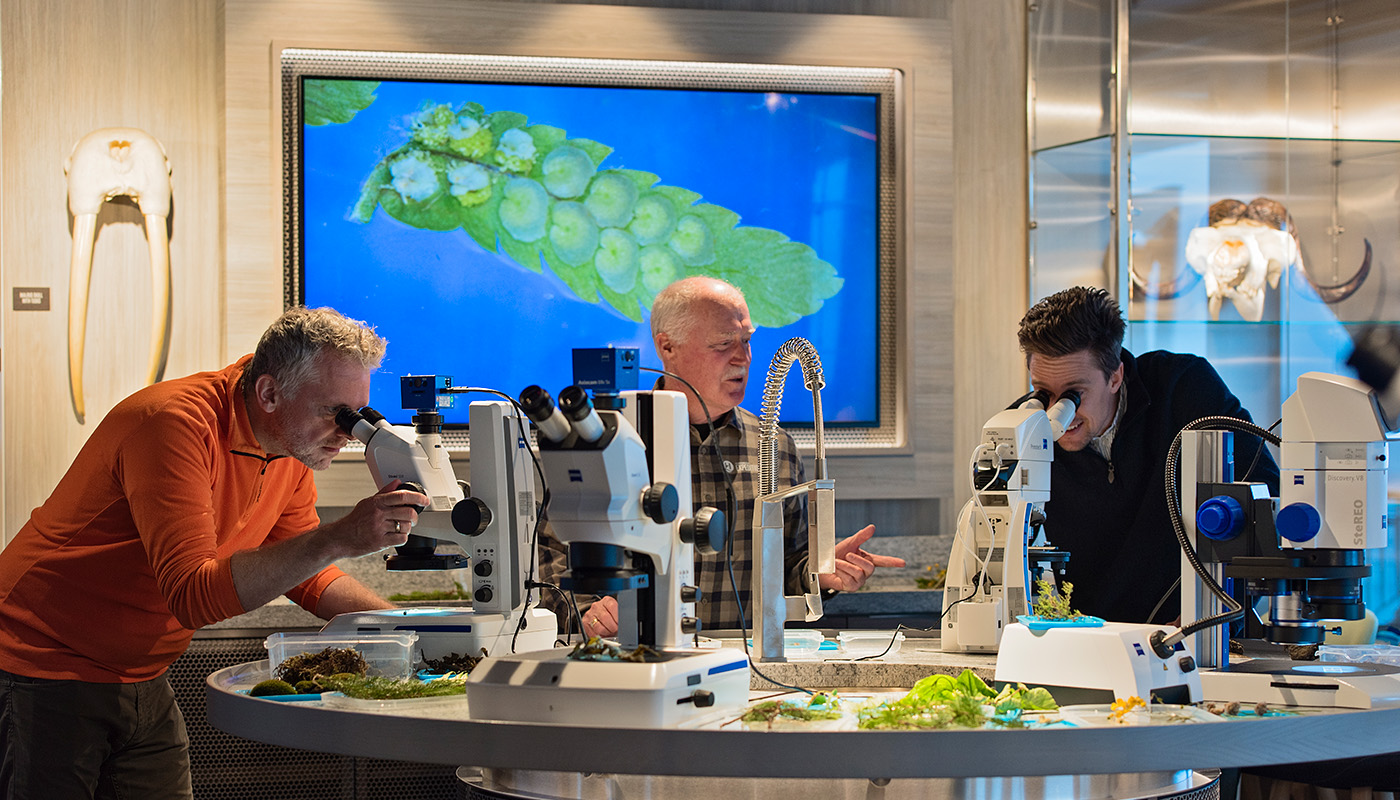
{"type": "Point", "coordinates": [1119, 761]}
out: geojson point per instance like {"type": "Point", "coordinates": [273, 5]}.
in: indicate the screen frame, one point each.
{"type": "Point", "coordinates": [890, 434]}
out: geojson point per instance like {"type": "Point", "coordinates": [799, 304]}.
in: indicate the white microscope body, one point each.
{"type": "Point", "coordinates": [620, 489]}
{"type": "Point", "coordinates": [1303, 562]}
{"type": "Point", "coordinates": [989, 579]}
{"type": "Point", "coordinates": [1300, 566]}
{"type": "Point", "coordinates": [494, 526]}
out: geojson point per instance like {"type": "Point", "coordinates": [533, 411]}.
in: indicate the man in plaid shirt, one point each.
{"type": "Point", "coordinates": [701, 329]}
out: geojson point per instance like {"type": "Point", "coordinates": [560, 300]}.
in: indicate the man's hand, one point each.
{"type": "Point", "coordinates": [378, 521]}
{"type": "Point", "coordinates": [601, 618]}
{"type": "Point", "coordinates": [383, 519]}
{"type": "Point", "coordinates": [854, 565]}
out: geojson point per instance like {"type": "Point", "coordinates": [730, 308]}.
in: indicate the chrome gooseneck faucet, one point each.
{"type": "Point", "coordinates": [772, 607]}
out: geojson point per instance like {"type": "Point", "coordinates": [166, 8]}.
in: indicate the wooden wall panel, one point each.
{"type": "Point", "coordinates": [70, 68]}
{"type": "Point", "coordinates": [990, 237]}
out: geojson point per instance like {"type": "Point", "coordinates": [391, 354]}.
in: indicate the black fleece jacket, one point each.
{"type": "Point", "coordinates": [1112, 517]}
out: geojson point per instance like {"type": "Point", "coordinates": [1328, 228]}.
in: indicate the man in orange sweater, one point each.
{"type": "Point", "coordinates": [191, 502]}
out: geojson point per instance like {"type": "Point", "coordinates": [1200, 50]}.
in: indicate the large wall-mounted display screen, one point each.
{"type": "Point", "coordinates": [490, 214]}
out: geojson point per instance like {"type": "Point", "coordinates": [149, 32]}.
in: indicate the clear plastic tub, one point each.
{"type": "Point", "coordinates": [389, 655]}
{"type": "Point", "coordinates": [800, 643]}
{"type": "Point", "coordinates": [860, 644]}
{"type": "Point", "coordinates": [1371, 653]}
{"type": "Point", "coordinates": [447, 703]}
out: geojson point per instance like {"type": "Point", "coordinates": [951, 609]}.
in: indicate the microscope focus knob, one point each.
{"type": "Point", "coordinates": [482, 568]}
{"type": "Point", "coordinates": [1298, 522]}
{"type": "Point", "coordinates": [1220, 518]}
{"type": "Point", "coordinates": [705, 530]}
{"type": "Point", "coordinates": [483, 595]}
{"type": "Point", "coordinates": [471, 517]}
{"type": "Point", "coordinates": [410, 486]}
{"type": "Point", "coordinates": [690, 594]}
{"type": "Point", "coordinates": [660, 502]}
{"type": "Point", "coordinates": [690, 625]}
{"type": "Point", "coordinates": [702, 698]}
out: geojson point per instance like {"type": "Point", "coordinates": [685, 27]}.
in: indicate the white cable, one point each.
{"type": "Point", "coordinates": [977, 504]}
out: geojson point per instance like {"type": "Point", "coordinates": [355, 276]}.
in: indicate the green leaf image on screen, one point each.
{"type": "Point", "coordinates": [329, 102]}
{"type": "Point", "coordinates": [618, 236]}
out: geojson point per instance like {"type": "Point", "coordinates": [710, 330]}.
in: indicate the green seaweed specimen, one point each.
{"type": "Point", "coordinates": [375, 687]}
{"type": "Point", "coordinates": [820, 706]}
{"type": "Point", "coordinates": [329, 102]}
{"type": "Point", "coordinates": [1052, 604]}
{"type": "Point", "coordinates": [942, 701]}
{"type": "Point", "coordinates": [530, 192]}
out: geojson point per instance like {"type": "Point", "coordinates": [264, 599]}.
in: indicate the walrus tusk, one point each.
{"type": "Point", "coordinates": [109, 163]}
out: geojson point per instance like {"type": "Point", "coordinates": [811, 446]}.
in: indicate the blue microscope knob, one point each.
{"type": "Point", "coordinates": [1298, 522]}
{"type": "Point", "coordinates": [1220, 518]}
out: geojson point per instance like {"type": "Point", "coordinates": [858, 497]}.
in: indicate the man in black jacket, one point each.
{"type": "Point", "coordinates": [1108, 504]}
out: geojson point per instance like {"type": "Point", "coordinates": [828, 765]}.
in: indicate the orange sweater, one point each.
{"type": "Point", "coordinates": [130, 554]}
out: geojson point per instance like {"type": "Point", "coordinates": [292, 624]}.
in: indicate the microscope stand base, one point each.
{"type": "Point", "coordinates": [684, 687]}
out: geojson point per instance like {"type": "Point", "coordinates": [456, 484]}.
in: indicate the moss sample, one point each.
{"type": "Point", "coordinates": [272, 688]}
{"type": "Point", "coordinates": [310, 666]}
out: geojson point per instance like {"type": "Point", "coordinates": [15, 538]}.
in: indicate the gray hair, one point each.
{"type": "Point", "coordinates": [289, 347]}
{"type": "Point", "coordinates": [672, 312]}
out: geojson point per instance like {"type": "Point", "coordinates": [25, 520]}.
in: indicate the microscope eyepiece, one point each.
{"type": "Point", "coordinates": [1062, 413]}
{"type": "Point", "coordinates": [360, 424]}
{"type": "Point", "coordinates": [540, 408]}
{"type": "Point", "coordinates": [347, 419]}
{"type": "Point", "coordinates": [577, 406]}
{"type": "Point", "coordinates": [575, 403]}
{"type": "Point", "coordinates": [536, 402]}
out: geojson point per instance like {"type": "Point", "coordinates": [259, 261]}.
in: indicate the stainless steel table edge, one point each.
{"type": "Point", "coordinates": [797, 753]}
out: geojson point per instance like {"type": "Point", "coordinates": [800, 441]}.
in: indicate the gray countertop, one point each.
{"type": "Point", "coordinates": [282, 614]}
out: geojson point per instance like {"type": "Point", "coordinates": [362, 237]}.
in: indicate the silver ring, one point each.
{"type": "Point", "coordinates": [398, 528]}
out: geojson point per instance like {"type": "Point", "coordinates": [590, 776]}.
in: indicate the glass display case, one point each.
{"type": "Point", "coordinates": [1144, 114]}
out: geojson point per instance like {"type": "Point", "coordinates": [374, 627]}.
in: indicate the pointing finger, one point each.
{"type": "Point", "coordinates": [886, 561]}
{"type": "Point", "coordinates": [855, 540]}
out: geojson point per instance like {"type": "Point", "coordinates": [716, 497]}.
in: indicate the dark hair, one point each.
{"type": "Point", "coordinates": [1071, 321]}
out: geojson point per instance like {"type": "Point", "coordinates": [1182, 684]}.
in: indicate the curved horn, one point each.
{"type": "Point", "coordinates": [1184, 281]}
{"type": "Point", "coordinates": [1338, 292]}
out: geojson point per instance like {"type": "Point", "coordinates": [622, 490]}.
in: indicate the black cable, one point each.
{"type": "Point", "coordinates": [1258, 452]}
{"type": "Point", "coordinates": [1162, 600]}
{"type": "Point", "coordinates": [1234, 610]}
{"type": "Point", "coordinates": [567, 598]}
{"type": "Point", "coordinates": [964, 599]}
{"type": "Point", "coordinates": [731, 511]}
{"type": "Point", "coordinates": [529, 576]}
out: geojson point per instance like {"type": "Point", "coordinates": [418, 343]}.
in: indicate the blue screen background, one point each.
{"type": "Point", "coordinates": [802, 164]}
